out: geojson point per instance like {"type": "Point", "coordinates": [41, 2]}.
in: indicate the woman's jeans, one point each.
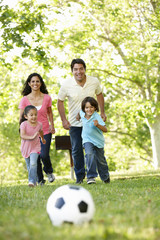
{"type": "Point", "coordinates": [44, 155]}
{"type": "Point", "coordinates": [77, 152]}
{"type": "Point", "coordinates": [95, 158]}
{"type": "Point", "coordinates": [31, 162]}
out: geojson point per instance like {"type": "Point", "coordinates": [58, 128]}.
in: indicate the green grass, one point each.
{"type": "Point", "coordinates": [127, 208]}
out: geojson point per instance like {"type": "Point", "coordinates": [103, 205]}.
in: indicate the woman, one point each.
{"type": "Point", "coordinates": [35, 93]}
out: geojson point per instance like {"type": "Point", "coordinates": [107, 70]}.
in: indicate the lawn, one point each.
{"type": "Point", "coordinates": [127, 208]}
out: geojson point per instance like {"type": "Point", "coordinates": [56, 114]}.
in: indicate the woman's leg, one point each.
{"type": "Point", "coordinates": [45, 148]}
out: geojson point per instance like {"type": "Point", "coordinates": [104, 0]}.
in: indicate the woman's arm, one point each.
{"type": "Point", "coordinates": [50, 116]}
{"type": "Point", "coordinates": [21, 113]}
{"type": "Point", "coordinates": [42, 136]}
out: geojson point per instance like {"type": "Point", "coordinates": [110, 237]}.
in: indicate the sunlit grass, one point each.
{"type": "Point", "coordinates": [127, 208]}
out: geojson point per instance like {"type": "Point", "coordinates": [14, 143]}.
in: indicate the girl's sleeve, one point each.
{"type": "Point", "coordinates": [22, 126]}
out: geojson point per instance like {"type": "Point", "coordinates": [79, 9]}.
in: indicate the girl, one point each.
{"type": "Point", "coordinates": [35, 93]}
{"type": "Point", "coordinates": [93, 140]}
{"type": "Point", "coordinates": [30, 129]}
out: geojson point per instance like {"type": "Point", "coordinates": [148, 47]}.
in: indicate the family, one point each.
{"type": "Point", "coordinates": [85, 126]}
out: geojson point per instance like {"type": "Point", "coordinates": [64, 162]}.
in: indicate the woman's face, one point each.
{"type": "Point", "coordinates": [35, 83]}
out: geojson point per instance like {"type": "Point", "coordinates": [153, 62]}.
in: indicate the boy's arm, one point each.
{"type": "Point", "coordinates": [102, 128]}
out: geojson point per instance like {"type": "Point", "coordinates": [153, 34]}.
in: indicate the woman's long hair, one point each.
{"type": "Point", "coordinates": [27, 89]}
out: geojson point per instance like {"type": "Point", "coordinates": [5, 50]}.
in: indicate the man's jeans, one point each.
{"type": "Point", "coordinates": [44, 155]}
{"type": "Point", "coordinates": [77, 152]}
{"type": "Point", "coordinates": [31, 163]}
{"type": "Point", "coordinates": [95, 158]}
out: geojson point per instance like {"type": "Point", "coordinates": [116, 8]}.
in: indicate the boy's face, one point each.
{"type": "Point", "coordinates": [89, 109]}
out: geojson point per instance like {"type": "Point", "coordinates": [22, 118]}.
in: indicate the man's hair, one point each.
{"type": "Point", "coordinates": [92, 101]}
{"type": "Point", "coordinates": [77, 61]}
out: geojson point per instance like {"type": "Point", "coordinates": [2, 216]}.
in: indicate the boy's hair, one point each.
{"type": "Point", "coordinates": [92, 101]}
{"type": "Point", "coordinates": [77, 61]}
{"type": "Point", "coordinates": [25, 112]}
{"type": "Point", "coordinates": [27, 89]}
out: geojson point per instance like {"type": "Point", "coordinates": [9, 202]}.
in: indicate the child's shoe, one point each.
{"type": "Point", "coordinates": [91, 181]}
{"type": "Point", "coordinates": [30, 184]}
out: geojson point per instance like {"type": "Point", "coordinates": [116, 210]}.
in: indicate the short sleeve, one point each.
{"type": "Point", "coordinates": [22, 126]}
{"type": "Point", "coordinates": [62, 93]}
{"type": "Point", "coordinates": [100, 120]}
{"type": "Point", "coordinates": [98, 87]}
{"type": "Point", "coordinates": [49, 101]}
{"type": "Point", "coordinates": [22, 103]}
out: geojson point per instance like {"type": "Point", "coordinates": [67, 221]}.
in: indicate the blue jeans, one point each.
{"type": "Point", "coordinates": [77, 152]}
{"type": "Point", "coordinates": [95, 158]}
{"type": "Point", "coordinates": [31, 163]}
{"type": "Point", "coordinates": [44, 156]}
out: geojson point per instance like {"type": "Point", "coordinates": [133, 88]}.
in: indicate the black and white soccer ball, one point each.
{"type": "Point", "coordinates": [70, 204]}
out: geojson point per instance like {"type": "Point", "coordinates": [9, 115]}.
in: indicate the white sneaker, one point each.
{"type": "Point", "coordinates": [51, 177]}
{"type": "Point", "coordinates": [30, 184]}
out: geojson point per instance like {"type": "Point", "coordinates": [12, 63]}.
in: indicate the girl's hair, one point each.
{"type": "Point", "coordinates": [27, 89]}
{"type": "Point", "coordinates": [92, 101]}
{"type": "Point", "coordinates": [26, 111]}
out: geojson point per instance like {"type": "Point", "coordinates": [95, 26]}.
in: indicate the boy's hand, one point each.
{"type": "Point", "coordinates": [95, 123]}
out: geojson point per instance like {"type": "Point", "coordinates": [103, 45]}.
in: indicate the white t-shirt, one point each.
{"type": "Point", "coordinates": [75, 94]}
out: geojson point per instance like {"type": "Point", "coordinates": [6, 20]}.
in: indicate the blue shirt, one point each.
{"type": "Point", "coordinates": [91, 133]}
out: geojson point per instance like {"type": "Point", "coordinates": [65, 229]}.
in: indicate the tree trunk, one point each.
{"type": "Point", "coordinates": [155, 139]}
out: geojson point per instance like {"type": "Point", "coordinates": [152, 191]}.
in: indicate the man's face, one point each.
{"type": "Point", "coordinates": [79, 72]}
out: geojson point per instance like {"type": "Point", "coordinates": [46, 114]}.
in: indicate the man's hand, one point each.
{"type": "Point", "coordinates": [103, 116]}
{"type": "Point", "coordinates": [66, 124]}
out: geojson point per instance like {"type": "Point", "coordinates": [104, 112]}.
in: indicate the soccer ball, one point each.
{"type": "Point", "coordinates": [70, 204]}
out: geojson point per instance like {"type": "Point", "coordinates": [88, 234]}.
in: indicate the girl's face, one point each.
{"type": "Point", "coordinates": [35, 83]}
{"type": "Point", "coordinates": [89, 109]}
{"type": "Point", "coordinates": [32, 116]}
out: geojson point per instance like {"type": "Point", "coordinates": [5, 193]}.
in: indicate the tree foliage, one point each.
{"type": "Point", "coordinates": [119, 42]}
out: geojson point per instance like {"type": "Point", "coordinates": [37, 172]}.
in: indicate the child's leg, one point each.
{"type": "Point", "coordinates": [33, 168]}
{"type": "Point", "coordinates": [28, 165]}
{"type": "Point", "coordinates": [90, 160]}
{"type": "Point", "coordinates": [102, 164]}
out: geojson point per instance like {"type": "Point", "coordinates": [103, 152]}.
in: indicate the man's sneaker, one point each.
{"type": "Point", "coordinates": [30, 184]}
{"type": "Point", "coordinates": [42, 182]}
{"type": "Point", "coordinates": [107, 180]}
{"type": "Point", "coordinates": [91, 181]}
{"type": "Point", "coordinates": [79, 181]}
{"type": "Point", "coordinates": [51, 177]}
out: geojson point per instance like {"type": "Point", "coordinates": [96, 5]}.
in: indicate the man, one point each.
{"type": "Point", "coordinates": [76, 89]}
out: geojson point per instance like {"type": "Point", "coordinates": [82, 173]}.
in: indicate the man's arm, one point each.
{"type": "Point", "coordinates": [61, 109]}
{"type": "Point", "coordinates": [100, 100]}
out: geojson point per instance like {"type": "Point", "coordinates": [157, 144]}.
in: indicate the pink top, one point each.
{"type": "Point", "coordinates": [30, 146]}
{"type": "Point", "coordinates": [42, 112]}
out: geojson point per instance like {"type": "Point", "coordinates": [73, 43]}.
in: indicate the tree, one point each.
{"type": "Point", "coordinates": [120, 40]}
